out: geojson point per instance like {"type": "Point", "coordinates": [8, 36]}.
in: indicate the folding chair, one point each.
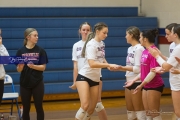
{"type": "Point", "coordinates": [11, 95]}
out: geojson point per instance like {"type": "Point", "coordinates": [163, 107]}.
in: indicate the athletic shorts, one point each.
{"type": "Point", "coordinates": [89, 81]}
{"type": "Point", "coordinates": [133, 86]}
{"type": "Point", "coordinates": [160, 89]}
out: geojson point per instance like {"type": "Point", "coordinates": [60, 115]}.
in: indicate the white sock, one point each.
{"type": "Point", "coordinates": [131, 115]}
{"type": "Point", "coordinates": [157, 118]}
{"type": "Point", "coordinates": [148, 118]}
{"type": "Point", "coordinates": [141, 115]}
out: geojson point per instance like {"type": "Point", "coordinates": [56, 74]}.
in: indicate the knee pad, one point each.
{"type": "Point", "coordinates": [80, 114]}
{"type": "Point", "coordinates": [157, 118]}
{"type": "Point", "coordinates": [99, 107]}
{"type": "Point", "coordinates": [141, 115]}
{"type": "Point", "coordinates": [131, 115]}
{"type": "Point", "coordinates": [87, 116]}
{"type": "Point", "coordinates": [148, 118]}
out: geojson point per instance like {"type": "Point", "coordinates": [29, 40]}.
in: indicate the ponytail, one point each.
{"type": "Point", "coordinates": [25, 42]}
{"type": "Point", "coordinates": [90, 36]}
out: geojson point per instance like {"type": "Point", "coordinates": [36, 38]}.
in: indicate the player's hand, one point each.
{"type": "Point", "coordinates": [137, 89]}
{"type": "Point", "coordinates": [158, 70]}
{"type": "Point", "coordinates": [30, 64]}
{"type": "Point", "coordinates": [159, 52]}
{"type": "Point", "coordinates": [174, 71]}
{"type": "Point", "coordinates": [73, 86]}
{"type": "Point", "coordinates": [115, 69]}
{"type": "Point", "coordinates": [113, 66]}
{"type": "Point", "coordinates": [128, 83]}
{"type": "Point", "coordinates": [21, 66]}
{"type": "Point", "coordinates": [154, 52]}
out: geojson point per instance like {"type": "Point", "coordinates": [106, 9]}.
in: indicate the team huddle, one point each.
{"type": "Point", "coordinates": [144, 65]}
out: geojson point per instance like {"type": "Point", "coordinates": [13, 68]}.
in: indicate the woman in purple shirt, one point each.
{"type": "Point", "coordinates": [152, 84]}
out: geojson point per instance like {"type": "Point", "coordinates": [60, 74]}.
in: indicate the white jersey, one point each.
{"type": "Point", "coordinates": [76, 53]}
{"type": "Point", "coordinates": [133, 59]}
{"type": "Point", "coordinates": [174, 79]}
{"type": "Point", "coordinates": [94, 51]}
{"type": "Point", "coordinates": [3, 52]}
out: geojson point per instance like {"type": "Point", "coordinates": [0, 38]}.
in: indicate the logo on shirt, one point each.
{"type": "Point", "coordinates": [171, 50]}
{"type": "Point", "coordinates": [144, 59]}
{"type": "Point", "coordinates": [31, 57]}
{"type": "Point", "coordinates": [101, 52]}
{"type": "Point", "coordinates": [130, 59]}
{"type": "Point", "coordinates": [131, 55]}
{"type": "Point", "coordinates": [145, 56]}
{"type": "Point", "coordinates": [79, 49]}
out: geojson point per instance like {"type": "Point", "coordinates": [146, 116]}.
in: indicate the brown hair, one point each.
{"type": "Point", "coordinates": [90, 36]}
{"type": "Point", "coordinates": [99, 26]}
{"type": "Point", "coordinates": [27, 32]}
{"type": "Point", "coordinates": [134, 31]}
{"type": "Point", "coordinates": [177, 30]}
{"type": "Point", "coordinates": [170, 26]}
{"type": "Point", "coordinates": [150, 34]}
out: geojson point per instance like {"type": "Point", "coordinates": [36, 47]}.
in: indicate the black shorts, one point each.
{"type": "Point", "coordinates": [133, 86]}
{"type": "Point", "coordinates": [160, 89]}
{"type": "Point", "coordinates": [89, 81]}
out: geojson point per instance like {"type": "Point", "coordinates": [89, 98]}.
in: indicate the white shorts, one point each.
{"type": "Point", "coordinates": [175, 82]}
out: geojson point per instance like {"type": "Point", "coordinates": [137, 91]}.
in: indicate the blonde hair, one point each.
{"type": "Point", "coordinates": [27, 32]}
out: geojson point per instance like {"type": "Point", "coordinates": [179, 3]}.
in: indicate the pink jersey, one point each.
{"type": "Point", "coordinates": [148, 62]}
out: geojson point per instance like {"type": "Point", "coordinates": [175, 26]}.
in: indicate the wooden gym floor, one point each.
{"type": "Point", "coordinates": [115, 108]}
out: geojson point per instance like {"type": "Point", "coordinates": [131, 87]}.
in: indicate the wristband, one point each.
{"type": "Point", "coordinates": [160, 60]}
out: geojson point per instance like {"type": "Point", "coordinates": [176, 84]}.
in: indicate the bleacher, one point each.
{"type": "Point", "coordinates": [58, 31]}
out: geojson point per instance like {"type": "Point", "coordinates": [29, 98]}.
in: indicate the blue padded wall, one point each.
{"type": "Point", "coordinates": [58, 31]}
{"type": "Point", "coordinates": [69, 11]}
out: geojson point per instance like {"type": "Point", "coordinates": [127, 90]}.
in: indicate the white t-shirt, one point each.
{"type": "Point", "coordinates": [76, 53]}
{"type": "Point", "coordinates": [3, 52]}
{"type": "Point", "coordinates": [94, 51]}
{"type": "Point", "coordinates": [174, 79]}
{"type": "Point", "coordinates": [133, 59]}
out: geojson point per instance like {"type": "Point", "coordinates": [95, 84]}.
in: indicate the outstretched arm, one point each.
{"type": "Point", "coordinates": [129, 83]}
{"type": "Point", "coordinates": [166, 66]}
{"type": "Point", "coordinates": [148, 78]}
